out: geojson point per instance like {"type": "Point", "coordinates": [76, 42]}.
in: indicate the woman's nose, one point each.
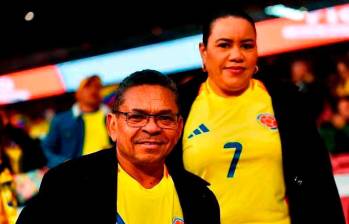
{"type": "Point", "coordinates": [235, 54]}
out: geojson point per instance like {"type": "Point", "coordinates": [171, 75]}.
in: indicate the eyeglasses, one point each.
{"type": "Point", "coordinates": [139, 120]}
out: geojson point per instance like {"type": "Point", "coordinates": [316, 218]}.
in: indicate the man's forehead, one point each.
{"type": "Point", "coordinates": [150, 91]}
{"type": "Point", "coordinates": [148, 95]}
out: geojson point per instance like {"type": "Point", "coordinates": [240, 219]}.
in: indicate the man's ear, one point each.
{"type": "Point", "coordinates": [112, 126]}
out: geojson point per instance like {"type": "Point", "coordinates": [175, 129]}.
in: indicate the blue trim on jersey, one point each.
{"type": "Point", "coordinates": [197, 132]}
{"type": "Point", "coordinates": [119, 219]}
{"type": "Point", "coordinates": [203, 128]}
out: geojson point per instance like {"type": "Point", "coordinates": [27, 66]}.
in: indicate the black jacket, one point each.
{"type": "Point", "coordinates": [84, 191]}
{"type": "Point", "coordinates": [310, 188]}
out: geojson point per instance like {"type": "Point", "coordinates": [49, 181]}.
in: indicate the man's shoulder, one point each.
{"type": "Point", "coordinates": [82, 186]}
{"type": "Point", "coordinates": [89, 161]}
{"type": "Point", "coordinates": [64, 115]}
{"type": "Point", "coordinates": [87, 166]}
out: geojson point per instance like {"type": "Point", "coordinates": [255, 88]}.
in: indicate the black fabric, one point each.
{"type": "Point", "coordinates": [84, 191]}
{"type": "Point", "coordinates": [310, 188]}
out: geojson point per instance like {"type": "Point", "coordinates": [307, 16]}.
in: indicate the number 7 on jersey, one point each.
{"type": "Point", "coordinates": [238, 148]}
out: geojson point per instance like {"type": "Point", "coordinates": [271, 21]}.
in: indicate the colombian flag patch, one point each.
{"type": "Point", "coordinates": [267, 120]}
{"type": "Point", "coordinates": [178, 221]}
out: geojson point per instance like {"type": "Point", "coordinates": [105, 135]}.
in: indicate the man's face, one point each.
{"type": "Point", "coordinates": [91, 94]}
{"type": "Point", "coordinates": [298, 71]}
{"type": "Point", "coordinates": [149, 144]}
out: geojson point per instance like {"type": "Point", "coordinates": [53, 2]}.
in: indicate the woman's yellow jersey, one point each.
{"type": "Point", "coordinates": [234, 144]}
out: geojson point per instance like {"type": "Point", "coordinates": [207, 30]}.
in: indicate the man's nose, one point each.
{"type": "Point", "coordinates": [151, 126]}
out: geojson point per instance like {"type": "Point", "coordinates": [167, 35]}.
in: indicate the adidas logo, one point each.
{"type": "Point", "coordinates": [201, 129]}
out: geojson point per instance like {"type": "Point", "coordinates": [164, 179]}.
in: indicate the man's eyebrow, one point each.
{"type": "Point", "coordinates": [142, 111]}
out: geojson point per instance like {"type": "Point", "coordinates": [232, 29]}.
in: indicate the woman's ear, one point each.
{"type": "Point", "coordinates": [203, 53]}
{"type": "Point", "coordinates": [112, 126]}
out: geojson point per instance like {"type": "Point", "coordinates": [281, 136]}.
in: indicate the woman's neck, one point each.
{"type": "Point", "coordinates": [225, 93]}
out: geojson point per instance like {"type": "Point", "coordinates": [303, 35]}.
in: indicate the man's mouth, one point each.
{"type": "Point", "coordinates": [148, 142]}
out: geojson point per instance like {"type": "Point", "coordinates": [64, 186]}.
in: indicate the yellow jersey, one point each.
{"type": "Point", "coordinates": [96, 135]}
{"type": "Point", "coordinates": [138, 205]}
{"type": "Point", "coordinates": [234, 144]}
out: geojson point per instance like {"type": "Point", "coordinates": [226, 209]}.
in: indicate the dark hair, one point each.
{"type": "Point", "coordinates": [144, 77]}
{"type": "Point", "coordinates": [222, 12]}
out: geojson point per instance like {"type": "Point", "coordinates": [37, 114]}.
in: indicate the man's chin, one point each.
{"type": "Point", "coordinates": [148, 154]}
{"type": "Point", "coordinates": [150, 147]}
{"type": "Point", "coordinates": [149, 161]}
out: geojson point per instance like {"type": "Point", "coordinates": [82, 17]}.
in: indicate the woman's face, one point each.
{"type": "Point", "coordinates": [230, 56]}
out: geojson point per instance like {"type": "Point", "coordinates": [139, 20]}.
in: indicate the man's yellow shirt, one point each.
{"type": "Point", "coordinates": [234, 144]}
{"type": "Point", "coordinates": [138, 205]}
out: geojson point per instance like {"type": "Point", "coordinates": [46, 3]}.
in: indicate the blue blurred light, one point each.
{"type": "Point", "coordinates": [167, 57]}
{"type": "Point", "coordinates": [285, 12]}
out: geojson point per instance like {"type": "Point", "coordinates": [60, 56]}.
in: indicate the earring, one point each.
{"type": "Point", "coordinates": [256, 69]}
{"type": "Point", "coordinates": [203, 68]}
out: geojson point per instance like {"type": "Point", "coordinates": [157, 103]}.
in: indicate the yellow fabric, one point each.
{"type": "Point", "coordinates": [96, 136]}
{"type": "Point", "coordinates": [218, 129]}
{"type": "Point", "coordinates": [14, 153]}
{"type": "Point", "coordinates": [343, 90]}
{"type": "Point", "coordinates": [8, 203]}
{"type": "Point", "coordinates": [158, 205]}
{"type": "Point", "coordinates": [39, 129]}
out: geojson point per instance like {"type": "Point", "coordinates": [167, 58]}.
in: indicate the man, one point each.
{"type": "Point", "coordinates": [129, 184]}
{"type": "Point", "coordinates": [303, 76]}
{"type": "Point", "coordinates": [81, 130]}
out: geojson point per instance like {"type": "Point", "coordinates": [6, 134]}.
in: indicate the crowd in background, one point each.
{"type": "Point", "coordinates": [328, 100]}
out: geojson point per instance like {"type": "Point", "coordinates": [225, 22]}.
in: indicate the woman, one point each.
{"type": "Point", "coordinates": [262, 169]}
